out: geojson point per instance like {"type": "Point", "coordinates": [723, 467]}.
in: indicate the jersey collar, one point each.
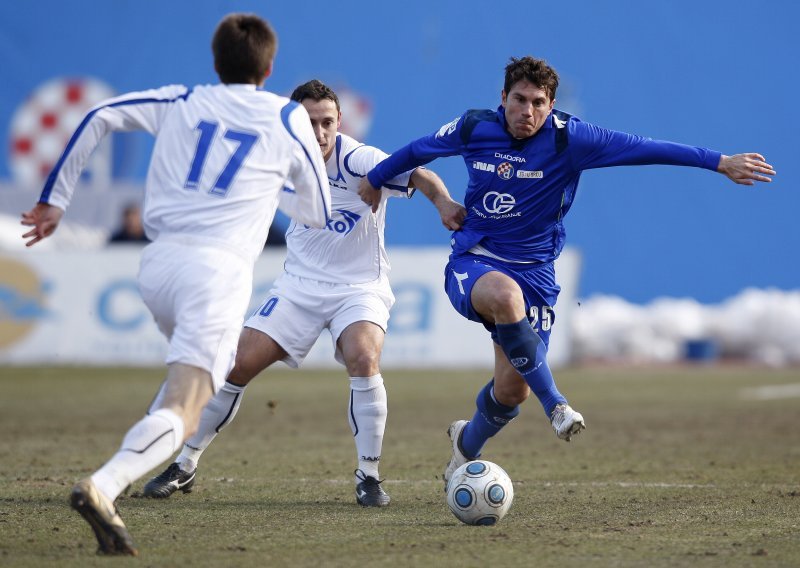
{"type": "Point", "coordinates": [242, 86]}
{"type": "Point", "coordinates": [501, 118]}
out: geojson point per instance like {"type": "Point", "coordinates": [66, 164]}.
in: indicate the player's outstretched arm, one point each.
{"type": "Point", "coordinates": [44, 218]}
{"type": "Point", "coordinates": [745, 169]}
{"type": "Point", "coordinates": [451, 212]}
{"type": "Point", "coordinates": [403, 160]}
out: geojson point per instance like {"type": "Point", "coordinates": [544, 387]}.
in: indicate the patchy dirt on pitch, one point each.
{"type": "Point", "coordinates": [678, 467]}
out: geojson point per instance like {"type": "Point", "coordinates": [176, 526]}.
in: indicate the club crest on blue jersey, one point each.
{"type": "Point", "coordinates": [505, 170]}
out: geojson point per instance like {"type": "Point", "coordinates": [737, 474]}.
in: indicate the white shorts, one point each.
{"type": "Point", "coordinates": [297, 310]}
{"type": "Point", "coordinates": [198, 296]}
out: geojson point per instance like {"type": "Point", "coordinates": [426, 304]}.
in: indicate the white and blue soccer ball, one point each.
{"type": "Point", "coordinates": [480, 493]}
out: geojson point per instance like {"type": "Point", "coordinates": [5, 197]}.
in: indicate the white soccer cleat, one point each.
{"type": "Point", "coordinates": [101, 514]}
{"type": "Point", "coordinates": [458, 459]}
{"type": "Point", "coordinates": [566, 422]}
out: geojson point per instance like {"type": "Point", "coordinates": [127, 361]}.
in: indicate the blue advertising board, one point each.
{"type": "Point", "coordinates": [717, 74]}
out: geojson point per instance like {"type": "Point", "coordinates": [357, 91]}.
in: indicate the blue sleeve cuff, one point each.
{"type": "Point", "coordinates": [712, 160]}
{"type": "Point", "coordinates": [374, 179]}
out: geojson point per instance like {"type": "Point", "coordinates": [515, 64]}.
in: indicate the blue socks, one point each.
{"type": "Point", "coordinates": [528, 354]}
{"type": "Point", "coordinates": [489, 419]}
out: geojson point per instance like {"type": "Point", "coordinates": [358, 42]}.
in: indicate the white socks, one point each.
{"type": "Point", "coordinates": [218, 413]}
{"type": "Point", "coordinates": [148, 444]}
{"type": "Point", "coordinates": [367, 415]}
{"type": "Point", "coordinates": [152, 440]}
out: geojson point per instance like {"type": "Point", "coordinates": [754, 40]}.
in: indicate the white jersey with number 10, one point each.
{"type": "Point", "coordinates": [350, 249]}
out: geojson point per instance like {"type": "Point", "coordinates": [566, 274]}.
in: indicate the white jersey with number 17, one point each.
{"type": "Point", "coordinates": [225, 157]}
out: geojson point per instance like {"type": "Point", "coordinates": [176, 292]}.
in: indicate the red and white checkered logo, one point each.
{"type": "Point", "coordinates": [42, 126]}
{"type": "Point", "coordinates": [505, 170]}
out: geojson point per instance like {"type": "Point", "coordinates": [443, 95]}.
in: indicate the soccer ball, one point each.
{"type": "Point", "coordinates": [480, 493]}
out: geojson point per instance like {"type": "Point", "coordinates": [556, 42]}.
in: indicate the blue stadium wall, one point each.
{"type": "Point", "coordinates": [711, 73]}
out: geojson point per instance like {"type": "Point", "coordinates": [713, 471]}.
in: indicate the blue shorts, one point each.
{"type": "Point", "coordinates": [537, 282]}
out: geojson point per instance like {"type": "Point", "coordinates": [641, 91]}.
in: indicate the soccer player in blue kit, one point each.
{"type": "Point", "coordinates": [524, 162]}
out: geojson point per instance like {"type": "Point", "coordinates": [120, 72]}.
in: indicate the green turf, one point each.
{"type": "Point", "coordinates": [676, 469]}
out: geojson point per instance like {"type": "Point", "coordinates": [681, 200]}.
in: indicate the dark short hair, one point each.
{"type": "Point", "coordinates": [535, 71]}
{"type": "Point", "coordinates": [315, 90]}
{"type": "Point", "coordinates": [244, 46]}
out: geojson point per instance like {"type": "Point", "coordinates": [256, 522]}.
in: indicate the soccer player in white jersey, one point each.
{"type": "Point", "coordinates": [336, 278]}
{"type": "Point", "coordinates": [225, 155]}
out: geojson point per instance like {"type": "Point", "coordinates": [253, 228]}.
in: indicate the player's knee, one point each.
{"type": "Point", "coordinates": [507, 304]}
{"type": "Point", "coordinates": [363, 364]}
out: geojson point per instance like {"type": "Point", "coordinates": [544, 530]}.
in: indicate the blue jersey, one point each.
{"type": "Point", "coordinates": [520, 190]}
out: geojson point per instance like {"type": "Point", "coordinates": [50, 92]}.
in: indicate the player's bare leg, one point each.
{"type": "Point", "coordinates": [256, 352]}
{"type": "Point", "coordinates": [148, 443]}
{"type": "Point", "coordinates": [188, 390]}
{"type": "Point", "coordinates": [361, 344]}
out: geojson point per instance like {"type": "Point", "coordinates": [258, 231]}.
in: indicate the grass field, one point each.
{"type": "Point", "coordinates": [678, 467]}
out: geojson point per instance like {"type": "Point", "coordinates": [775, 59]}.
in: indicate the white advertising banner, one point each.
{"type": "Point", "coordinates": [84, 308]}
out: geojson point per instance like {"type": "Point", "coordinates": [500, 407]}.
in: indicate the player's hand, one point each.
{"type": "Point", "coordinates": [369, 194]}
{"type": "Point", "coordinates": [745, 169]}
{"type": "Point", "coordinates": [44, 219]}
{"type": "Point", "coordinates": [452, 214]}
